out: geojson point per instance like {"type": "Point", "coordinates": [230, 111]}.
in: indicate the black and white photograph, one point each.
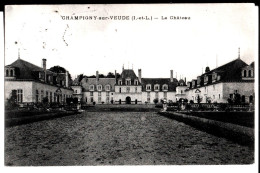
{"type": "Point", "coordinates": [131, 85]}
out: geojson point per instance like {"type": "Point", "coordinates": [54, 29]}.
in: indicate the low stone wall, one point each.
{"type": "Point", "coordinates": [239, 134]}
{"type": "Point", "coordinates": [29, 119]}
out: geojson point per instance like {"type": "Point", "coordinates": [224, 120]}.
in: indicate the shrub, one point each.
{"type": "Point", "coordinates": [155, 100]}
{"type": "Point", "coordinates": [191, 101]}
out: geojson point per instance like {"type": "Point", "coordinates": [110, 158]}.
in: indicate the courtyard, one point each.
{"type": "Point", "coordinates": [117, 138]}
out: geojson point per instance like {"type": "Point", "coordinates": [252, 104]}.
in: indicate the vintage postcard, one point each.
{"type": "Point", "coordinates": [131, 85]}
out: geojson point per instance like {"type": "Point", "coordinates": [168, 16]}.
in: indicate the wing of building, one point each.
{"type": "Point", "coordinates": [219, 84]}
{"type": "Point", "coordinates": [31, 83]}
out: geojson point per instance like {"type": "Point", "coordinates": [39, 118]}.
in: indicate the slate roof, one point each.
{"type": "Point", "coordinates": [27, 70]}
{"type": "Point", "coordinates": [86, 82]}
{"type": "Point", "coordinates": [128, 73]}
{"type": "Point", "coordinates": [230, 71]}
{"type": "Point", "coordinates": [161, 81]}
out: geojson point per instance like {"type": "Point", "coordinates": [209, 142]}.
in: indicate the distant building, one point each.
{"type": "Point", "coordinates": [31, 83]}
{"type": "Point", "coordinates": [221, 83]}
{"type": "Point", "coordinates": [127, 89]}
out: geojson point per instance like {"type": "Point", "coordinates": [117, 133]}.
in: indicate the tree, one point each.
{"type": "Point", "coordinates": [155, 100]}
{"type": "Point", "coordinates": [110, 75]}
{"type": "Point", "coordinates": [191, 101]}
{"type": "Point", "coordinates": [58, 69]}
{"type": "Point", "coordinates": [12, 101]}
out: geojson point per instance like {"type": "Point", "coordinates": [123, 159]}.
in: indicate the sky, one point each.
{"type": "Point", "coordinates": [211, 37]}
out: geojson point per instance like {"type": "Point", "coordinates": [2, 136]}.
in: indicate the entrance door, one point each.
{"type": "Point", "coordinates": [128, 100]}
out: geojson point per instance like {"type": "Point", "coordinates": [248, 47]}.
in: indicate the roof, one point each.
{"type": "Point", "coordinates": [86, 82]}
{"type": "Point", "coordinates": [128, 74]}
{"type": "Point", "coordinates": [161, 81]}
{"type": "Point", "coordinates": [26, 69]}
{"type": "Point", "coordinates": [230, 71]}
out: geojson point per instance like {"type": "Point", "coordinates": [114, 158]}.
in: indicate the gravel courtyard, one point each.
{"type": "Point", "coordinates": [117, 138]}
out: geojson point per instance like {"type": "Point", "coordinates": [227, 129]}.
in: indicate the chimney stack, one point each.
{"type": "Point", "coordinates": [97, 76]}
{"type": "Point", "coordinates": [44, 69]}
{"type": "Point", "coordinates": [67, 79]}
{"type": "Point", "coordinates": [140, 75]}
{"type": "Point", "coordinates": [171, 76]}
{"type": "Point", "coordinates": [115, 74]}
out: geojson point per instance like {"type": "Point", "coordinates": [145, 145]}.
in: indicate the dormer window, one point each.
{"type": "Point", "coordinates": [128, 81]}
{"type": "Point", "coordinates": [165, 87]}
{"type": "Point", "coordinates": [136, 82]}
{"type": "Point", "coordinates": [120, 82]}
{"type": "Point", "coordinates": [7, 72]}
{"type": "Point", "coordinates": [205, 79]}
{"type": "Point", "coordinates": [156, 87]}
{"type": "Point", "coordinates": [11, 72]}
{"type": "Point", "coordinates": [244, 73]}
{"type": "Point", "coordinates": [148, 87]}
{"type": "Point", "coordinates": [249, 73]}
{"type": "Point", "coordinates": [99, 87]}
{"type": "Point", "coordinates": [91, 87]}
{"type": "Point", "coordinates": [107, 87]}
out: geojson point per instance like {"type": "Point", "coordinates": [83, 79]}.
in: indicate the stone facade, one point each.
{"type": "Point", "coordinates": [32, 83]}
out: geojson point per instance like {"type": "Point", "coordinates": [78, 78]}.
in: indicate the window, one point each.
{"type": "Point", "coordinates": [136, 82]}
{"type": "Point", "coordinates": [120, 82]}
{"type": "Point", "coordinates": [91, 99]}
{"type": "Point", "coordinates": [156, 95]}
{"type": "Point", "coordinates": [91, 87]}
{"type": "Point", "coordinates": [37, 96]}
{"type": "Point", "coordinates": [249, 73]}
{"type": "Point", "coordinates": [165, 87]}
{"type": "Point", "coordinates": [219, 96]}
{"type": "Point", "coordinates": [156, 87]}
{"type": "Point", "coordinates": [165, 95]}
{"type": "Point", "coordinates": [136, 89]}
{"type": "Point", "coordinates": [76, 91]}
{"type": "Point", "coordinates": [7, 73]}
{"type": "Point", "coordinates": [148, 87]}
{"type": "Point", "coordinates": [244, 73]}
{"type": "Point", "coordinates": [107, 87]}
{"type": "Point", "coordinates": [128, 82]}
{"type": "Point", "coordinates": [120, 90]}
{"type": "Point", "coordinates": [50, 96]}
{"type": "Point", "coordinates": [42, 94]}
{"type": "Point", "coordinates": [47, 95]}
{"type": "Point", "coordinates": [127, 89]}
{"type": "Point", "coordinates": [91, 93]}
{"type": "Point", "coordinates": [181, 91]}
{"type": "Point", "coordinates": [19, 96]}
{"type": "Point", "coordinates": [11, 72]}
{"type": "Point", "coordinates": [148, 97]}
{"type": "Point", "coordinates": [99, 87]}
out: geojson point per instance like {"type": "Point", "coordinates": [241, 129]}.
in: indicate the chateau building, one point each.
{"type": "Point", "coordinates": [127, 89]}
{"type": "Point", "coordinates": [31, 83]}
{"type": "Point", "coordinates": [221, 83]}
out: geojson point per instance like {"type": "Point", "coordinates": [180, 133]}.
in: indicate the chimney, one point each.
{"type": "Point", "coordinates": [139, 75]}
{"type": "Point", "coordinates": [115, 74]}
{"type": "Point", "coordinates": [123, 68]}
{"type": "Point", "coordinates": [44, 69]}
{"type": "Point", "coordinates": [97, 76]}
{"type": "Point", "coordinates": [171, 76]}
{"type": "Point", "coordinates": [67, 79]}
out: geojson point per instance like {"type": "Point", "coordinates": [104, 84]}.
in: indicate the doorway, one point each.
{"type": "Point", "coordinates": [128, 100]}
